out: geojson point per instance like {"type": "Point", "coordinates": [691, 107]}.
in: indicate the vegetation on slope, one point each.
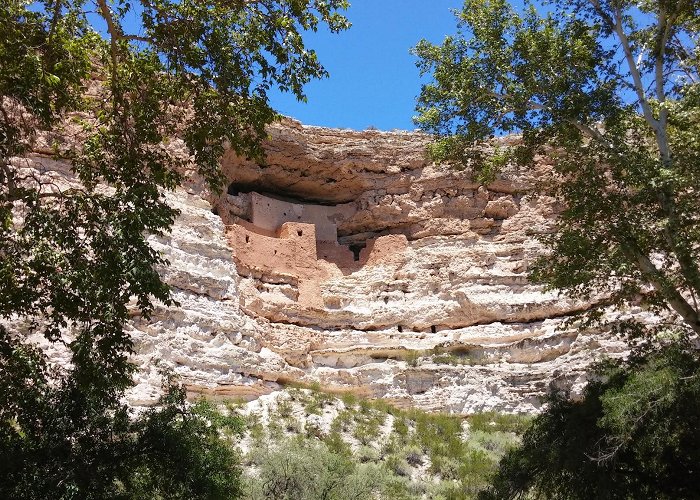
{"type": "Point", "coordinates": [362, 449]}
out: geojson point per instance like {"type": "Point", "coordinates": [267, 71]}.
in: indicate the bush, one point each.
{"type": "Point", "coordinates": [475, 471]}
{"type": "Point", "coordinates": [337, 444]}
{"type": "Point", "coordinates": [495, 444]}
{"type": "Point", "coordinates": [366, 454]}
{"type": "Point", "coordinates": [348, 399]}
{"type": "Point", "coordinates": [501, 422]}
{"type": "Point", "coordinates": [400, 427]}
{"type": "Point", "coordinates": [284, 407]}
{"type": "Point", "coordinates": [61, 438]}
{"type": "Point", "coordinates": [445, 467]}
{"type": "Point", "coordinates": [397, 464]}
{"type": "Point", "coordinates": [412, 358]}
{"type": "Point", "coordinates": [366, 432]}
{"type": "Point", "coordinates": [414, 455]}
{"type": "Point", "coordinates": [305, 470]}
{"type": "Point", "coordinates": [447, 490]}
{"type": "Point", "coordinates": [369, 421]}
{"type": "Point", "coordinates": [291, 425]}
{"type": "Point", "coordinates": [181, 453]}
{"type": "Point", "coordinates": [341, 423]}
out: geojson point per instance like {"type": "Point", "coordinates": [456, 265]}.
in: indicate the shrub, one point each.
{"type": "Point", "coordinates": [400, 427]}
{"type": "Point", "coordinates": [476, 470]}
{"type": "Point", "coordinates": [496, 444]}
{"type": "Point", "coordinates": [291, 424]}
{"type": "Point", "coordinates": [284, 407]}
{"type": "Point", "coordinates": [503, 422]}
{"type": "Point", "coordinates": [366, 454]}
{"type": "Point", "coordinates": [304, 470]}
{"type": "Point", "coordinates": [184, 453]}
{"type": "Point", "coordinates": [255, 428]}
{"type": "Point", "coordinates": [397, 464]}
{"type": "Point", "coordinates": [447, 490]}
{"type": "Point", "coordinates": [348, 399]}
{"type": "Point", "coordinates": [337, 444]}
{"type": "Point", "coordinates": [445, 467]}
{"type": "Point", "coordinates": [369, 421]}
{"type": "Point", "coordinates": [312, 406]}
{"type": "Point", "coordinates": [412, 358]}
{"type": "Point", "coordinates": [414, 455]}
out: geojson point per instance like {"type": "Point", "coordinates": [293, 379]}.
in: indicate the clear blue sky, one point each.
{"type": "Point", "coordinates": [373, 79]}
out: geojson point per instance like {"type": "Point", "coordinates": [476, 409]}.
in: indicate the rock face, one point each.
{"type": "Point", "coordinates": [350, 260]}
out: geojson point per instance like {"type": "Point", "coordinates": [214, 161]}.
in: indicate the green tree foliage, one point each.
{"type": "Point", "coordinates": [633, 436]}
{"type": "Point", "coordinates": [72, 258]}
{"type": "Point", "coordinates": [178, 452]}
{"type": "Point", "coordinates": [609, 90]}
{"type": "Point", "coordinates": [59, 439]}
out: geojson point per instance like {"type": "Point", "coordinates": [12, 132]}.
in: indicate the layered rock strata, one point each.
{"type": "Point", "coordinates": [350, 260]}
{"type": "Point", "coordinates": [369, 268]}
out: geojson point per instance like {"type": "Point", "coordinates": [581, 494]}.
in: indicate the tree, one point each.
{"type": "Point", "coordinates": [73, 256]}
{"type": "Point", "coordinates": [645, 414]}
{"type": "Point", "coordinates": [62, 440]}
{"type": "Point", "coordinates": [609, 89]}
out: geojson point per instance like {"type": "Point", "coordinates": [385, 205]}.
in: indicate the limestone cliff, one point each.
{"type": "Point", "coordinates": [350, 260]}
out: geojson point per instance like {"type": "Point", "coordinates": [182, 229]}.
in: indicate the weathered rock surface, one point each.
{"type": "Point", "coordinates": [422, 298]}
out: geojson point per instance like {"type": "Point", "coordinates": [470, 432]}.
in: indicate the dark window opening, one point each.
{"type": "Point", "coordinates": [275, 252]}
{"type": "Point", "coordinates": [433, 329]}
{"type": "Point", "coordinates": [386, 300]}
{"type": "Point", "coordinates": [299, 232]}
{"type": "Point", "coordinates": [400, 328]}
{"type": "Point", "coordinates": [247, 238]}
{"type": "Point", "coordinates": [356, 248]}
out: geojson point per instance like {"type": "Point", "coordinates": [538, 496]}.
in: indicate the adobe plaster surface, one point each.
{"type": "Point", "coordinates": [269, 214]}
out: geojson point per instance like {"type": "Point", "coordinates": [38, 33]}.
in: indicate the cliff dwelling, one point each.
{"type": "Point", "coordinates": [323, 234]}
{"type": "Point", "coordinates": [289, 241]}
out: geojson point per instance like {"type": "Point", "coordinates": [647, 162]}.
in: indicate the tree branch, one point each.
{"type": "Point", "coordinates": [137, 38]}
{"type": "Point", "coordinates": [660, 283]}
{"type": "Point", "coordinates": [582, 127]}
{"type": "Point", "coordinates": [634, 69]}
{"type": "Point", "coordinates": [56, 17]}
{"type": "Point", "coordinates": [114, 35]}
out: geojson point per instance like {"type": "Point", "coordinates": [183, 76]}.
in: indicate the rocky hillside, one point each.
{"type": "Point", "coordinates": [360, 449]}
{"type": "Point", "coordinates": [349, 260]}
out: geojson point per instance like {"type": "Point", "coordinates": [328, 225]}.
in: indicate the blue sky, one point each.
{"type": "Point", "coordinates": [374, 80]}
